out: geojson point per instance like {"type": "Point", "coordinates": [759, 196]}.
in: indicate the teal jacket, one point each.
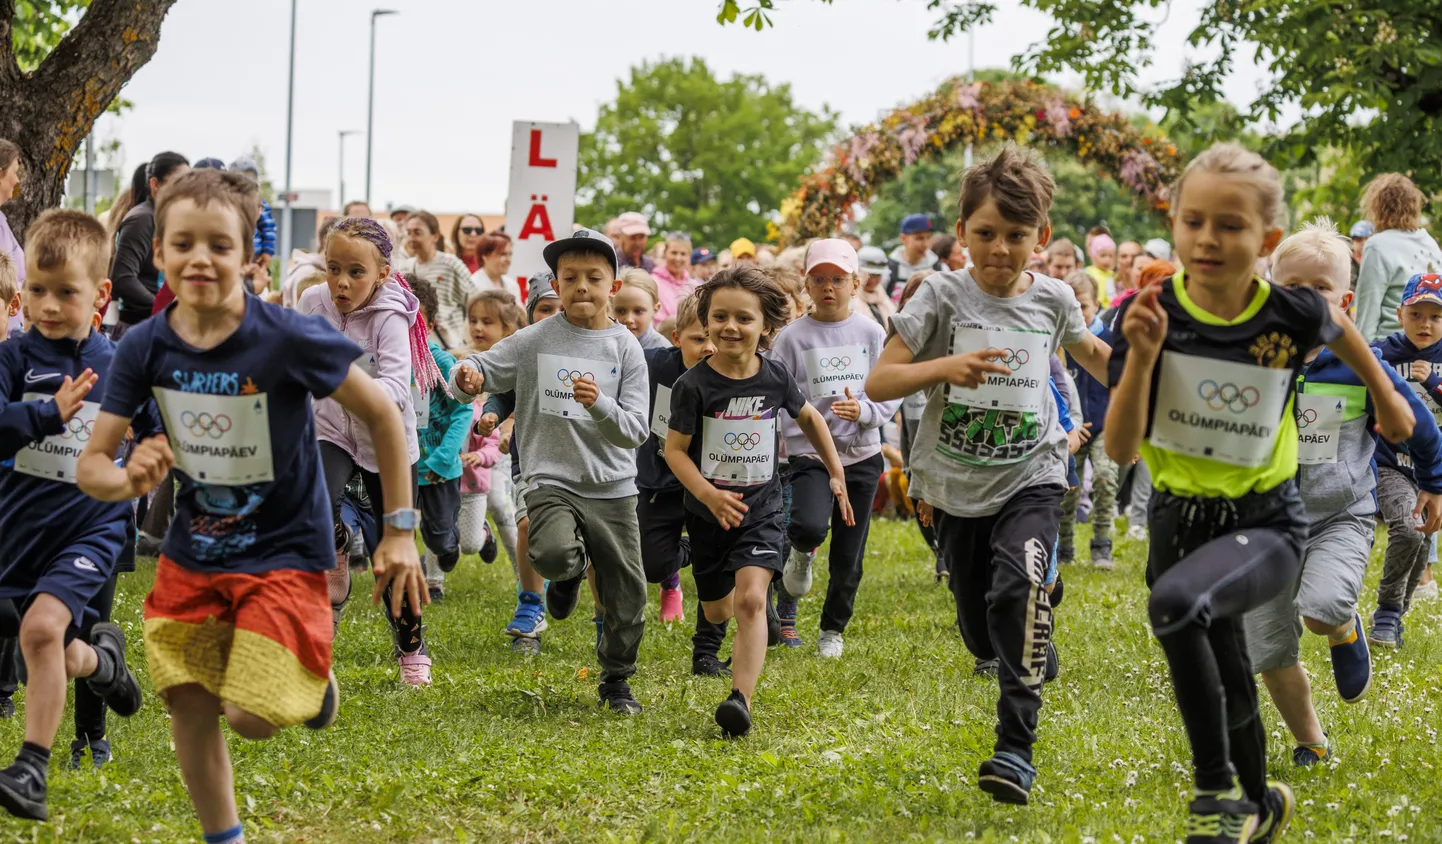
{"type": "Point", "coordinates": [443, 438]}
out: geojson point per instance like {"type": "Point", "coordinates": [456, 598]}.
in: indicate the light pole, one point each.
{"type": "Point", "coordinates": [371, 99]}
{"type": "Point", "coordinates": [285, 218]}
{"type": "Point", "coordinates": [340, 197]}
{"type": "Point", "coordinates": [970, 75]}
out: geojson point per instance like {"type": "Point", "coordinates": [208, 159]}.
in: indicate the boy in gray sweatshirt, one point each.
{"type": "Point", "coordinates": [582, 396]}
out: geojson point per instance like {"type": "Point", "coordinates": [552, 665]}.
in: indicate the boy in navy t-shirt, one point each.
{"type": "Point", "coordinates": [239, 620]}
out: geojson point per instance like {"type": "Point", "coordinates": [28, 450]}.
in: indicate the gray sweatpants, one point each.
{"type": "Point", "coordinates": [1407, 550]}
{"type": "Point", "coordinates": [565, 528]}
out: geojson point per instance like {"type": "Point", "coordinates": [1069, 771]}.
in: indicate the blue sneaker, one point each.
{"type": "Point", "coordinates": [530, 619]}
{"type": "Point", "coordinates": [1386, 631]}
{"type": "Point", "coordinates": [1007, 778]}
{"type": "Point", "coordinates": [1308, 755]}
{"type": "Point", "coordinates": [1352, 664]}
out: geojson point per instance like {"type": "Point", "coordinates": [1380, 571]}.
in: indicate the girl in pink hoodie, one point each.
{"type": "Point", "coordinates": [369, 305]}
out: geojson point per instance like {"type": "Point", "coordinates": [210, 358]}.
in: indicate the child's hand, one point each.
{"type": "Point", "coordinates": [726, 507]}
{"type": "Point", "coordinates": [1421, 371]}
{"type": "Point", "coordinates": [397, 565]}
{"type": "Point", "coordinates": [586, 392]}
{"type": "Point", "coordinates": [1073, 441]}
{"type": "Point", "coordinates": [1145, 326]}
{"type": "Point", "coordinates": [847, 409]}
{"type": "Point", "coordinates": [970, 369]}
{"type": "Point", "coordinates": [838, 489]}
{"type": "Point", "coordinates": [148, 465]}
{"type": "Point", "coordinates": [923, 513]}
{"type": "Point", "coordinates": [1427, 515]}
{"type": "Point", "coordinates": [471, 459]}
{"type": "Point", "coordinates": [486, 424]}
{"type": "Point", "coordinates": [1085, 432]}
{"type": "Point", "coordinates": [1394, 416]}
{"type": "Point", "coordinates": [72, 394]}
{"type": "Point", "coordinates": [469, 379]}
{"type": "Point", "coordinates": [504, 446]}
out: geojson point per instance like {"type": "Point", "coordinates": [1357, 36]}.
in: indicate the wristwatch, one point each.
{"type": "Point", "coordinates": [403, 520]}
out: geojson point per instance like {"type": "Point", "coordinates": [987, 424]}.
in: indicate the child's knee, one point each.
{"type": "Point", "coordinates": [42, 629]}
{"type": "Point", "coordinates": [248, 725]}
{"type": "Point", "coordinates": [749, 604]}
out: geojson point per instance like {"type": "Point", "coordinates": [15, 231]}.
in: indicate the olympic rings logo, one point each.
{"type": "Point", "coordinates": [1015, 359]}
{"type": "Point", "coordinates": [835, 363]}
{"type": "Point", "coordinates": [78, 429]}
{"type": "Point", "coordinates": [569, 377]}
{"type": "Point", "coordinates": [203, 424]}
{"type": "Point", "coordinates": [1306, 417]}
{"type": "Point", "coordinates": [1228, 396]}
{"type": "Point", "coordinates": [739, 442]}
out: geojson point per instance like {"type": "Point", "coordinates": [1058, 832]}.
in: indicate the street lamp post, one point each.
{"type": "Point", "coordinates": [340, 197]}
{"type": "Point", "coordinates": [285, 218]}
{"type": "Point", "coordinates": [371, 99]}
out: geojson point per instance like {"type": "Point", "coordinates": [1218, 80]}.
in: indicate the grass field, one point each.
{"type": "Point", "coordinates": [882, 745]}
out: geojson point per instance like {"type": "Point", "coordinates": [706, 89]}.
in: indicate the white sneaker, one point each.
{"type": "Point", "coordinates": [1137, 533]}
{"type": "Point", "coordinates": [431, 567]}
{"type": "Point", "coordinates": [1425, 592]}
{"type": "Point", "coordinates": [796, 574]}
{"type": "Point", "coordinates": [829, 645]}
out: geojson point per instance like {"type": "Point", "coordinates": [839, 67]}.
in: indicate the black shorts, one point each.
{"type": "Point", "coordinates": [716, 554]}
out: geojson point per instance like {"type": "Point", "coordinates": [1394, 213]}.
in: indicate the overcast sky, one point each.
{"type": "Point", "coordinates": [451, 76]}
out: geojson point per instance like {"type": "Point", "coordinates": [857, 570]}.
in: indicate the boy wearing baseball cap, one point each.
{"type": "Point", "coordinates": [913, 254]}
{"type": "Point", "coordinates": [582, 395]}
{"type": "Point", "coordinates": [703, 264]}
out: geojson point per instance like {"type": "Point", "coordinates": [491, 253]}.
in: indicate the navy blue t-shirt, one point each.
{"type": "Point", "coordinates": [652, 471]}
{"type": "Point", "coordinates": [252, 491]}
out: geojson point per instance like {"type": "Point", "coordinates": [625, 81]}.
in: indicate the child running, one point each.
{"type": "Point", "coordinates": [1203, 375]}
{"type": "Point", "coordinates": [1338, 487]}
{"type": "Point", "coordinates": [829, 352]}
{"type": "Point", "coordinates": [1093, 396]}
{"type": "Point", "coordinates": [492, 315]}
{"type": "Point", "coordinates": [722, 445]}
{"type": "Point", "coordinates": [236, 625]}
{"type": "Point", "coordinates": [58, 546]}
{"type": "Point", "coordinates": [635, 307]}
{"type": "Point", "coordinates": [580, 385]}
{"type": "Point", "coordinates": [990, 457]}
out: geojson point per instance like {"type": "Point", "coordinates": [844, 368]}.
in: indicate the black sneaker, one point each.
{"type": "Point", "coordinates": [22, 793]}
{"type": "Point", "coordinates": [1053, 664]}
{"type": "Point", "coordinates": [447, 562]}
{"type": "Point", "coordinates": [1004, 781]}
{"type": "Point", "coordinates": [986, 668]}
{"type": "Point", "coordinates": [1225, 817]}
{"type": "Point", "coordinates": [709, 665]}
{"type": "Point", "coordinates": [99, 753]}
{"type": "Point", "coordinates": [122, 693]}
{"type": "Point", "coordinates": [147, 545]}
{"type": "Point", "coordinates": [488, 548]}
{"type": "Point", "coordinates": [526, 646]}
{"type": "Point", "coordinates": [329, 706]}
{"type": "Point", "coordinates": [617, 695]}
{"type": "Point", "coordinates": [562, 595]}
{"type": "Point", "coordinates": [773, 625]}
{"type": "Point", "coordinates": [437, 594]}
{"type": "Point", "coordinates": [733, 716]}
{"type": "Point", "coordinates": [7, 707]}
{"type": "Point", "coordinates": [1277, 809]}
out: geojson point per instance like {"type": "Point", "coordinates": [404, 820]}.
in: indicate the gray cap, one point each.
{"type": "Point", "coordinates": [244, 164]}
{"type": "Point", "coordinates": [873, 260]}
{"type": "Point", "coordinates": [587, 239]}
{"type": "Point", "coordinates": [1363, 229]}
{"type": "Point", "coordinates": [538, 288]}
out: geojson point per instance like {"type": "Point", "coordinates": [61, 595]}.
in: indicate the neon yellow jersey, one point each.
{"type": "Point", "coordinates": [1106, 284]}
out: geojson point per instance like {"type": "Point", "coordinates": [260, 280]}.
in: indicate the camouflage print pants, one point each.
{"type": "Point", "coordinates": [1104, 497]}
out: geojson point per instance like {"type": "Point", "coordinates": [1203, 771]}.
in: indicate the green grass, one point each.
{"type": "Point", "coordinates": [882, 745]}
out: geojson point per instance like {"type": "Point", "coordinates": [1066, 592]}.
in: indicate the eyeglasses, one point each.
{"type": "Point", "coordinates": [473, 229]}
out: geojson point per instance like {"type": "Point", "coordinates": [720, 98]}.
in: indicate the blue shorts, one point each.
{"type": "Point", "coordinates": [74, 574]}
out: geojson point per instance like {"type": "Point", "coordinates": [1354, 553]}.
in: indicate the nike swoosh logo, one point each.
{"type": "Point", "coordinates": [761, 552]}
{"type": "Point", "coordinates": [32, 378]}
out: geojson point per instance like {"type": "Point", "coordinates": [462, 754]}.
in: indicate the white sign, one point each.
{"type": "Point", "coordinates": [831, 370]}
{"type": "Point", "coordinates": [558, 376]}
{"type": "Point", "coordinates": [1218, 409]}
{"type": "Point", "coordinates": [221, 440]}
{"type": "Point", "coordinates": [738, 452]}
{"type": "Point", "coordinates": [55, 457]}
{"type": "Point", "coordinates": [541, 206]}
{"type": "Point", "coordinates": [1025, 389]}
{"type": "Point", "coordinates": [1319, 427]}
{"type": "Point", "coordinates": [661, 414]}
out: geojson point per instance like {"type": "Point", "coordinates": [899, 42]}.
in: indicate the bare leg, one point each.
{"type": "Point", "coordinates": [50, 665]}
{"type": "Point", "coordinates": [748, 651]}
{"type": "Point", "coordinates": [204, 761]}
{"type": "Point", "coordinates": [530, 581]}
{"type": "Point", "coordinates": [246, 724]}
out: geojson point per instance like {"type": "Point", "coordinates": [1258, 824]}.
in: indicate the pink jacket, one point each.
{"type": "Point", "coordinates": [476, 480]}
{"type": "Point", "coordinates": [382, 329]}
{"type": "Point", "coordinates": [671, 291]}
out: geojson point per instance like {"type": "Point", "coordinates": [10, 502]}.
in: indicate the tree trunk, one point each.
{"type": "Point", "coordinates": [49, 113]}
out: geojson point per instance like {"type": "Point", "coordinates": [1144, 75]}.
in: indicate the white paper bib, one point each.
{"type": "Point", "coordinates": [661, 415]}
{"type": "Point", "coordinates": [1427, 400]}
{"type": "Point", "coordinates": [221, 440]}
{"type": "Point", "coordinates": [1319, 427]}
{"type": "Point", "coordinates": [831, 370]}
{"type": "Point", "coordinates": [738, 452]}
{"type": "Point", "coordinates": [54, 457]}
{"type": "Point", "coordinates": [913, 406]}
{"type": "Point", "coordinates": [559, 374]}
{"type": "Point", "coordinates": [1026, 356]}
{"type": "Point", "coordinates": [1218, 409]}
{"type": "Point", "coordinates": [422, 407]}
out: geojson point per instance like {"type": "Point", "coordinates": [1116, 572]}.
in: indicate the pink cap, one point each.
{"type": "Point", "coordinates": [1100, 242]}
{"type": "Point", "coordinates": [632, 222]}
{"type": "Point", "coordinates": [832, 251]}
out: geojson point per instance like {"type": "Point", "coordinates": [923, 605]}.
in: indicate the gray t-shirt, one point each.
{"type": "Point", "coordinates": [976, 448]}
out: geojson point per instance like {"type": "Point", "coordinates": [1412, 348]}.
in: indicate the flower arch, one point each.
{"type": "Point", "coordinates": [1030, 113]}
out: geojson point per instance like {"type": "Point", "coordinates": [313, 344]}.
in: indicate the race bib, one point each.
{"type": "Point", "coordinates": [54, 457]}
{"type": "Point", "coordinates": [1218, 409]}
{"type": "Point", "coordinates": [661, 416]}
{"type": "Point", "coordinates": [558, 376]}
{"type": "Point", "coordinates": [738, 452]}
{"type": "Point", "coordinates": [1319, 427]}
{"type": "Point", "coordinates": [1427, 400]}
{"type": "Point", "coordinates": [913, 406]}
{"type": "Point", "coordinates": [830, 371]}
{"type": "Point", "coordinates": [1025, 389]}
{"type": "Point", "coordinates": [422, 408]}
{"type": "Point", "coordinates": [222, 440]}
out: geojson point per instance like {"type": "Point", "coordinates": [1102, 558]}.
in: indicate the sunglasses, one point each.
{"type": "Point", "coordinates": [473, 229]}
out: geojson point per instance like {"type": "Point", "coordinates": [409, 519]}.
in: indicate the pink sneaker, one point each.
{"type": "Point", "coordinates": [671, 609]}
{"type": "Point", "coordinates": [416, 669]}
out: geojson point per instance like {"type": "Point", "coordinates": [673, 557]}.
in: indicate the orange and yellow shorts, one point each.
{"type": "Point", "coordinates": [260, 641]}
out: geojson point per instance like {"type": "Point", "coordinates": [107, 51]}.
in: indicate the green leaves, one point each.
{"type": "Point", "coordinates": [39, 26]}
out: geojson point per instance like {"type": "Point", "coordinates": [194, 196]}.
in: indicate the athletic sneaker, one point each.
{"type": "Point", "coordinates": [7, 707]}
{"type": "Point", "coordinates": [356, 553]}
{"type": "Point", "coordinates": [1307, 755]}
{"type": "Point", "coordinates": [562, 595]}
{"type": "Point", "coordinates": [671, 608]}
{"type": "Point", "coordinates": [22, 792]}
{"type": "Point", "coordinates": [709, 665]}
{"type": "Point", "coordinates": [329, 705]}
{"type": "Point", "coordinates": [122, 693]}
{"type": "Point", "coordinates": [1277, 808]}
{"type": "Point", "coordinates": [986, 668]}
{"type": "Point", "coordinates": [1137, 533]}
{"type": "Point", "coordinates": [796, 574]}
{"type": "Point", "coordinates": [1007, 778]}
{"type": "Point", "coordinates": [773, 626]}
{"type": "Point", "coordinates": [1426, 591]}
{"type": "Point", "coordinates": [99, 753]}
{"type": "Point", "coordinates": [1386, 631]}
{"type": "Point", "coordinates": [617, 695]}
{"type": "Point", "coordinates": [1053, 663]}
{"type": "Point", "coordinates": [437, 593]}
{"type": "Point", "coordinates": [530, 619]}
{"type": "Point", "coordinates": [733, 716]}
{"type": "Point", "coordinates": [789, 637]}
{"type": "Point", "coordinates": [1224, 817]}
{"type": "Point", "coordinates": [415, 669]}
{"type": "Point", "coordinates": [488, 546]}
{"type": "Point", "coordinates": [829, 645]}
{"type": "Point", "coordinates": [147, 545]}
{"type": "Point", "coordinates": [527, 647]}
{"type": "Point", "coordinates": [1102, 554]}
{"type": "Point", "coordinates": [1352, 664]}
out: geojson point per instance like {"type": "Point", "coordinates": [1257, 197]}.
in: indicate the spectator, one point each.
{"type": "Point", "coordinates": [634, 232]}
{"type": "Point", "coordinates": [703, 264]}
{"type": "Point", "coordinates": [466, 235]}
{"type": "Point", "coordinates": [1158, 249]}
{"type": "Point", "coordinates": [493, 252]}
{"type": "Point", "coordinates": [854, 240]}
{"type": "Point", "coordinates": [265, 227]}
{"type": "Point", "coordinates": [913, 254]}
{"type": "Point", "coordinates": [1061, 260]}
{"type": "Point", "coordinates": [356, 208]}
{"type": "Point", "coordinates": [950, 250]}
{"type": "Point", "coordinates": [1127, 254]}
{"type": "Point", "coordinates": [133, 275]}
{"type": "Point", "coordinates": [400, 214]}
{"type": "Point", "coordinates": [743, 252]}
{"type": "Point", "coordinates": [446, 273]}
{"type": "Point", "coordinates": [1360, 232]}
{"type": "Point", "coordinates": [673, 277]}
{"type": "Point", "coordinates": [872, 273]}
{"type": "Point", "coordinates": [9, 187]}
{"type": "Point", "coordinates": [1400, 249]}
{"type": "Point", "coordinates": [612, 230]}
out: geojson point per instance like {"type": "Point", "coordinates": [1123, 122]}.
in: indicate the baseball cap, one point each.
{"type": "Point", "coordinates": [244, 164]}
{"type": "Point", "coordinates": [833, 251]}
{"type": "Point", "coordinates": [401, 209]}
{"type": "Point", "coordinates": [633, 223]}
{"type": "Point", "coordinates": [873, 260]}
{"type": "Point", "coordinates": [1423, 287]}
{"type": "Point", "coordinates": [913, 223]}
{"type": "Point", "coordinates": [1158, 248]}
{"type": "Point", "coordinates": [209, 164]}
{"type": "Point", "coordinates": [1363, 229]}
{"type": "Point", "coordinates": [701, 255]}
{"type": "Point", "coordinates": [741, 247]}
{"type": "Point", "coordinates": [538, 288]}
{"type": "Point", "coordinates": [588, 239]}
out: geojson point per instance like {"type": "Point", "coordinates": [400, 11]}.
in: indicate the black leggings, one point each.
{"type": "Point", "coordinates": [1212, 560]}
{"type": "Point", "coordinates": [339, 466]}
{"type": "Point", "coordinates": [815, 511]}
